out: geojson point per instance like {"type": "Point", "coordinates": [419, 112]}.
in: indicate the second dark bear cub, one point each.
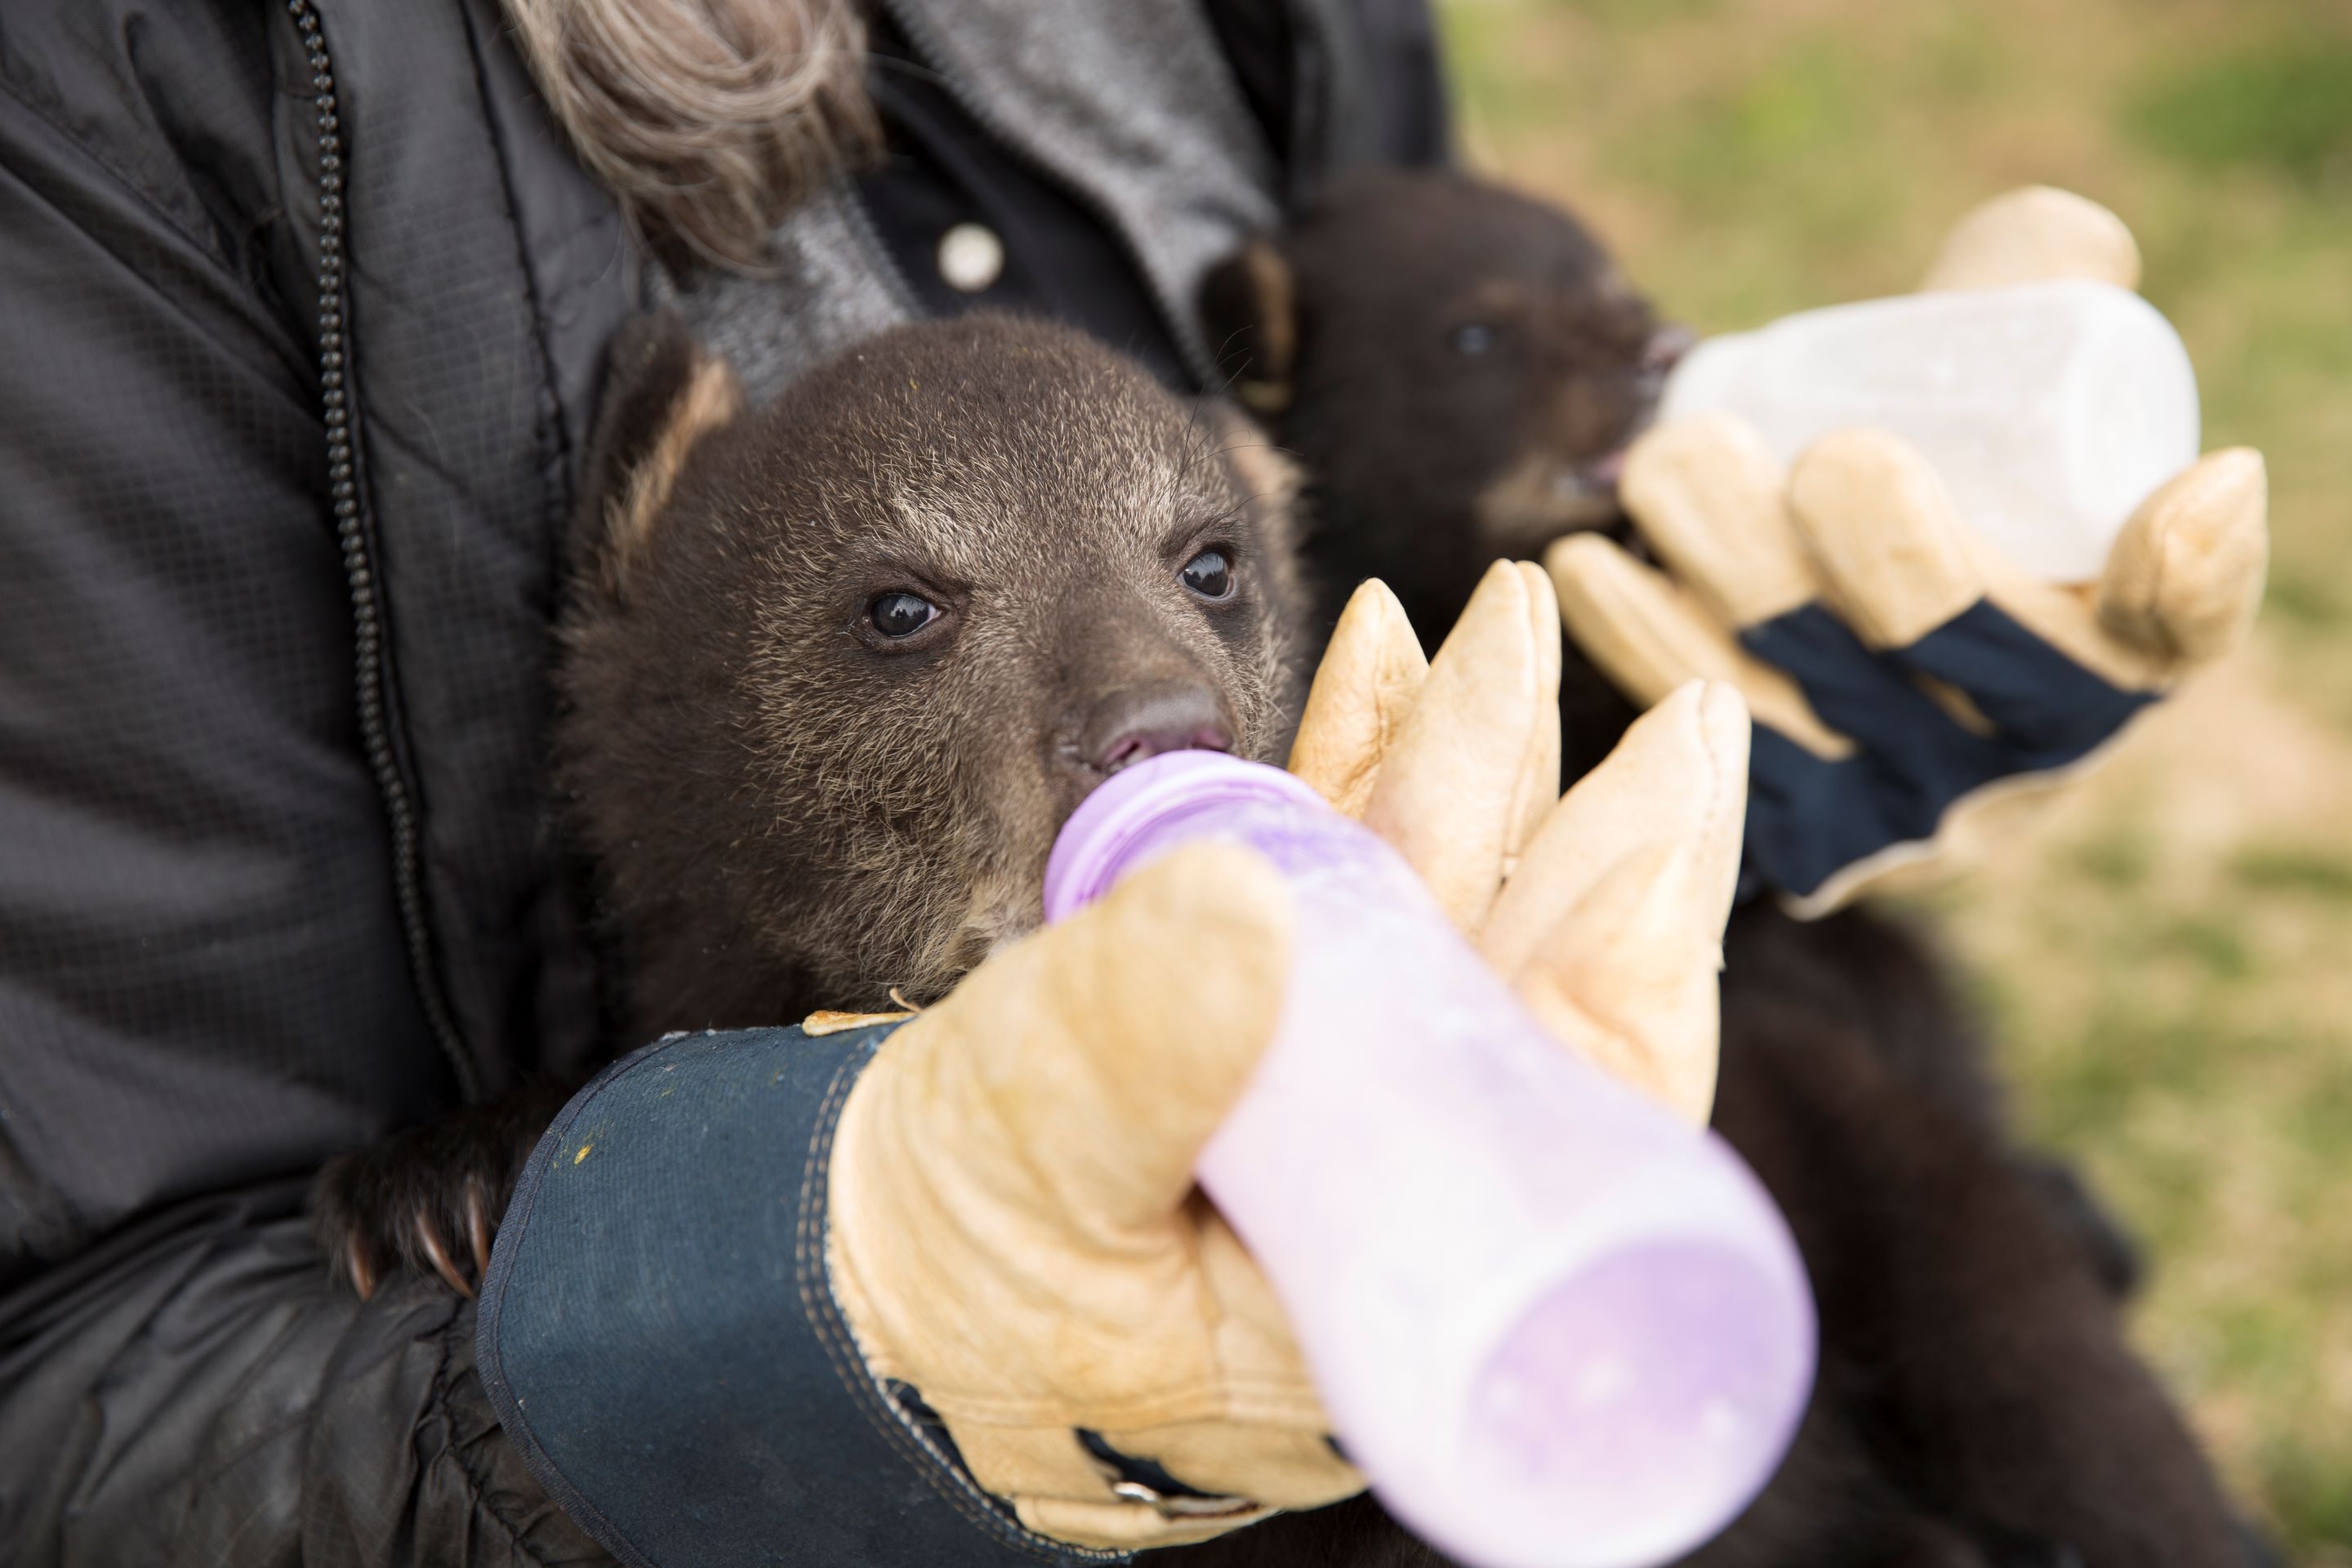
{"type": "Point", "coordinates": [834, 671]}
{"type": "Point", "coordinates": [1456, 366]}
{"type": "Point", "coordinates": [1459, 370]}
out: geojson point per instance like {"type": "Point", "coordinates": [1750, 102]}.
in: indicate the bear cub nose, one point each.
{"type": "Point", "coordinates": [1139, 722]}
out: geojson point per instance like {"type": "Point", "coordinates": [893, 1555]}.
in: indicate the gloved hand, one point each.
{"type": "Point", "coordinates": [1109, 1358]}
{"type": "Point", "coordinates": [1913, 692]}
{"type": "Point", "coordinates": [1603, 908]}
{"type": "Point", "coordinates": [1015, 1231]}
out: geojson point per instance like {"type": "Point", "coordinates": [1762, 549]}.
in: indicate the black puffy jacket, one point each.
{"type": "Point", "coordinates": [301, 311]}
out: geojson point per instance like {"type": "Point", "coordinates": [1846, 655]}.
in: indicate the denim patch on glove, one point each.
{"type": "Point", "coordinates": [1809, 817]}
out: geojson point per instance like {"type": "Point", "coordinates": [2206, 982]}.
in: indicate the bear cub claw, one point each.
{"type": "Point", "coordinates": [425, 1200]}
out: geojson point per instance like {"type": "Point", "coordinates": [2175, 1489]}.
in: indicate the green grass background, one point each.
{"type": "Point", "coordinates": [2168, 963]}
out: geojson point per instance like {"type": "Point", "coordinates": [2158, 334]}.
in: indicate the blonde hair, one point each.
{"type": "Point", "coordinates": [708, 119]}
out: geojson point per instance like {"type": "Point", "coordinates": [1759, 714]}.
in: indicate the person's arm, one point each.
{"type": "Point", "coordinates": [194, 1390]}
{"type": "Point", "coordinates": [204, 985]}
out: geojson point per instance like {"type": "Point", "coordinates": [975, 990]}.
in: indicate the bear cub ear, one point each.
{"type": "Point", "coordinates": [1249, 308]}
{"type": "Point", "coordinates": [663, 392]}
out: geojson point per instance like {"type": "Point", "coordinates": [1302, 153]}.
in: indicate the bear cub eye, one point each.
{"type": "Point", "coordinates": [1210, 573]}
{"type": "Point", "coordinates": [1473, 340]}
{"type": "Point", "coordinates": [901, 615]}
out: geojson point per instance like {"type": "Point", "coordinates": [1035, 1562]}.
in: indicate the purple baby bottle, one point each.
{"type": "Point", "coordinates": [1555, 1327]}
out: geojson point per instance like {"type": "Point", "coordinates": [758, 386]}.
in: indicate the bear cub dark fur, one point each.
{"type": "Point", "coordinates": [834, 671]}
{"type": "Point", "coordinates": [1457, 368]}
{"type": "Point", "coordinates": [830, 689]}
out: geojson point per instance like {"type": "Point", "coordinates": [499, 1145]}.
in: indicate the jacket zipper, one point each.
{"type": "Point", "coordinates": [926, 41]}
{"type": "Point", "coordinates": [353, 532]}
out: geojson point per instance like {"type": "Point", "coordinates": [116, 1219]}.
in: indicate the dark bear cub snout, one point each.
{"type": "Point", "coordinates": [1136, 723]}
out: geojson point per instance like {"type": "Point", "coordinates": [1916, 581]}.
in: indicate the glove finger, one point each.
{"type": "Point", "coordinates": [1108, 1048]}
{"type": "Point", "coordinates": [1371, 674]}
{"type": "Point", "coordinates": [2185, 577]}
{"type": "Point", "coordinates": [1616, 940]}
{"type": "Point", "coordinates": [1678, 780]}
{"type": "Point", "coordinates": [2037, 234]}
{"type": "Point", "coordinates": [1649, 638]}
{"type": "Point", "coordinates": [1477, 759]}
{"type": "Point", "coordinates": [1628, 982]}
{"type": "Point", "coordinates": [1711, 499]}
{"type": "Point", "coordinates": [1884, 536]}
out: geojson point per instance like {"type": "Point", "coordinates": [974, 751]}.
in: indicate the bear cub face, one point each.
{"type": "Point", "coordinates": [1459, 370]}
{"type": "Point", "coordinates": [836, 670]}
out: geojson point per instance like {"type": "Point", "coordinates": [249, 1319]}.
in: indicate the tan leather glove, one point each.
{"type": "Point", "coordinates": [1015, 1230]}
{"type": "Point", "coordinates": [1912, 691]}
{"type": "Point", "coordinates": [1603, 908]}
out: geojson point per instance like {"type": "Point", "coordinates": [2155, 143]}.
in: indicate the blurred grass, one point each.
{"type": "Point", "coordinates": [2165, 961]}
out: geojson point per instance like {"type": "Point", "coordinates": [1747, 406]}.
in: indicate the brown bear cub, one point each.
{"type": "Point", "coordinates": [838, 668]}
{"type": "Point", "coordinates": [1457, 368]}
{"type": "Point", "coordinates": [834, 671]}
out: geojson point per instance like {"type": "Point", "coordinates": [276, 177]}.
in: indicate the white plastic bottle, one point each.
{"type": "Point", "coordinates": [2050, 410]}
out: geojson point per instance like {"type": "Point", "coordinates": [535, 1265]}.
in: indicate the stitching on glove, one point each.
{"type": "Point", "coordinates": [946, 1475]}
